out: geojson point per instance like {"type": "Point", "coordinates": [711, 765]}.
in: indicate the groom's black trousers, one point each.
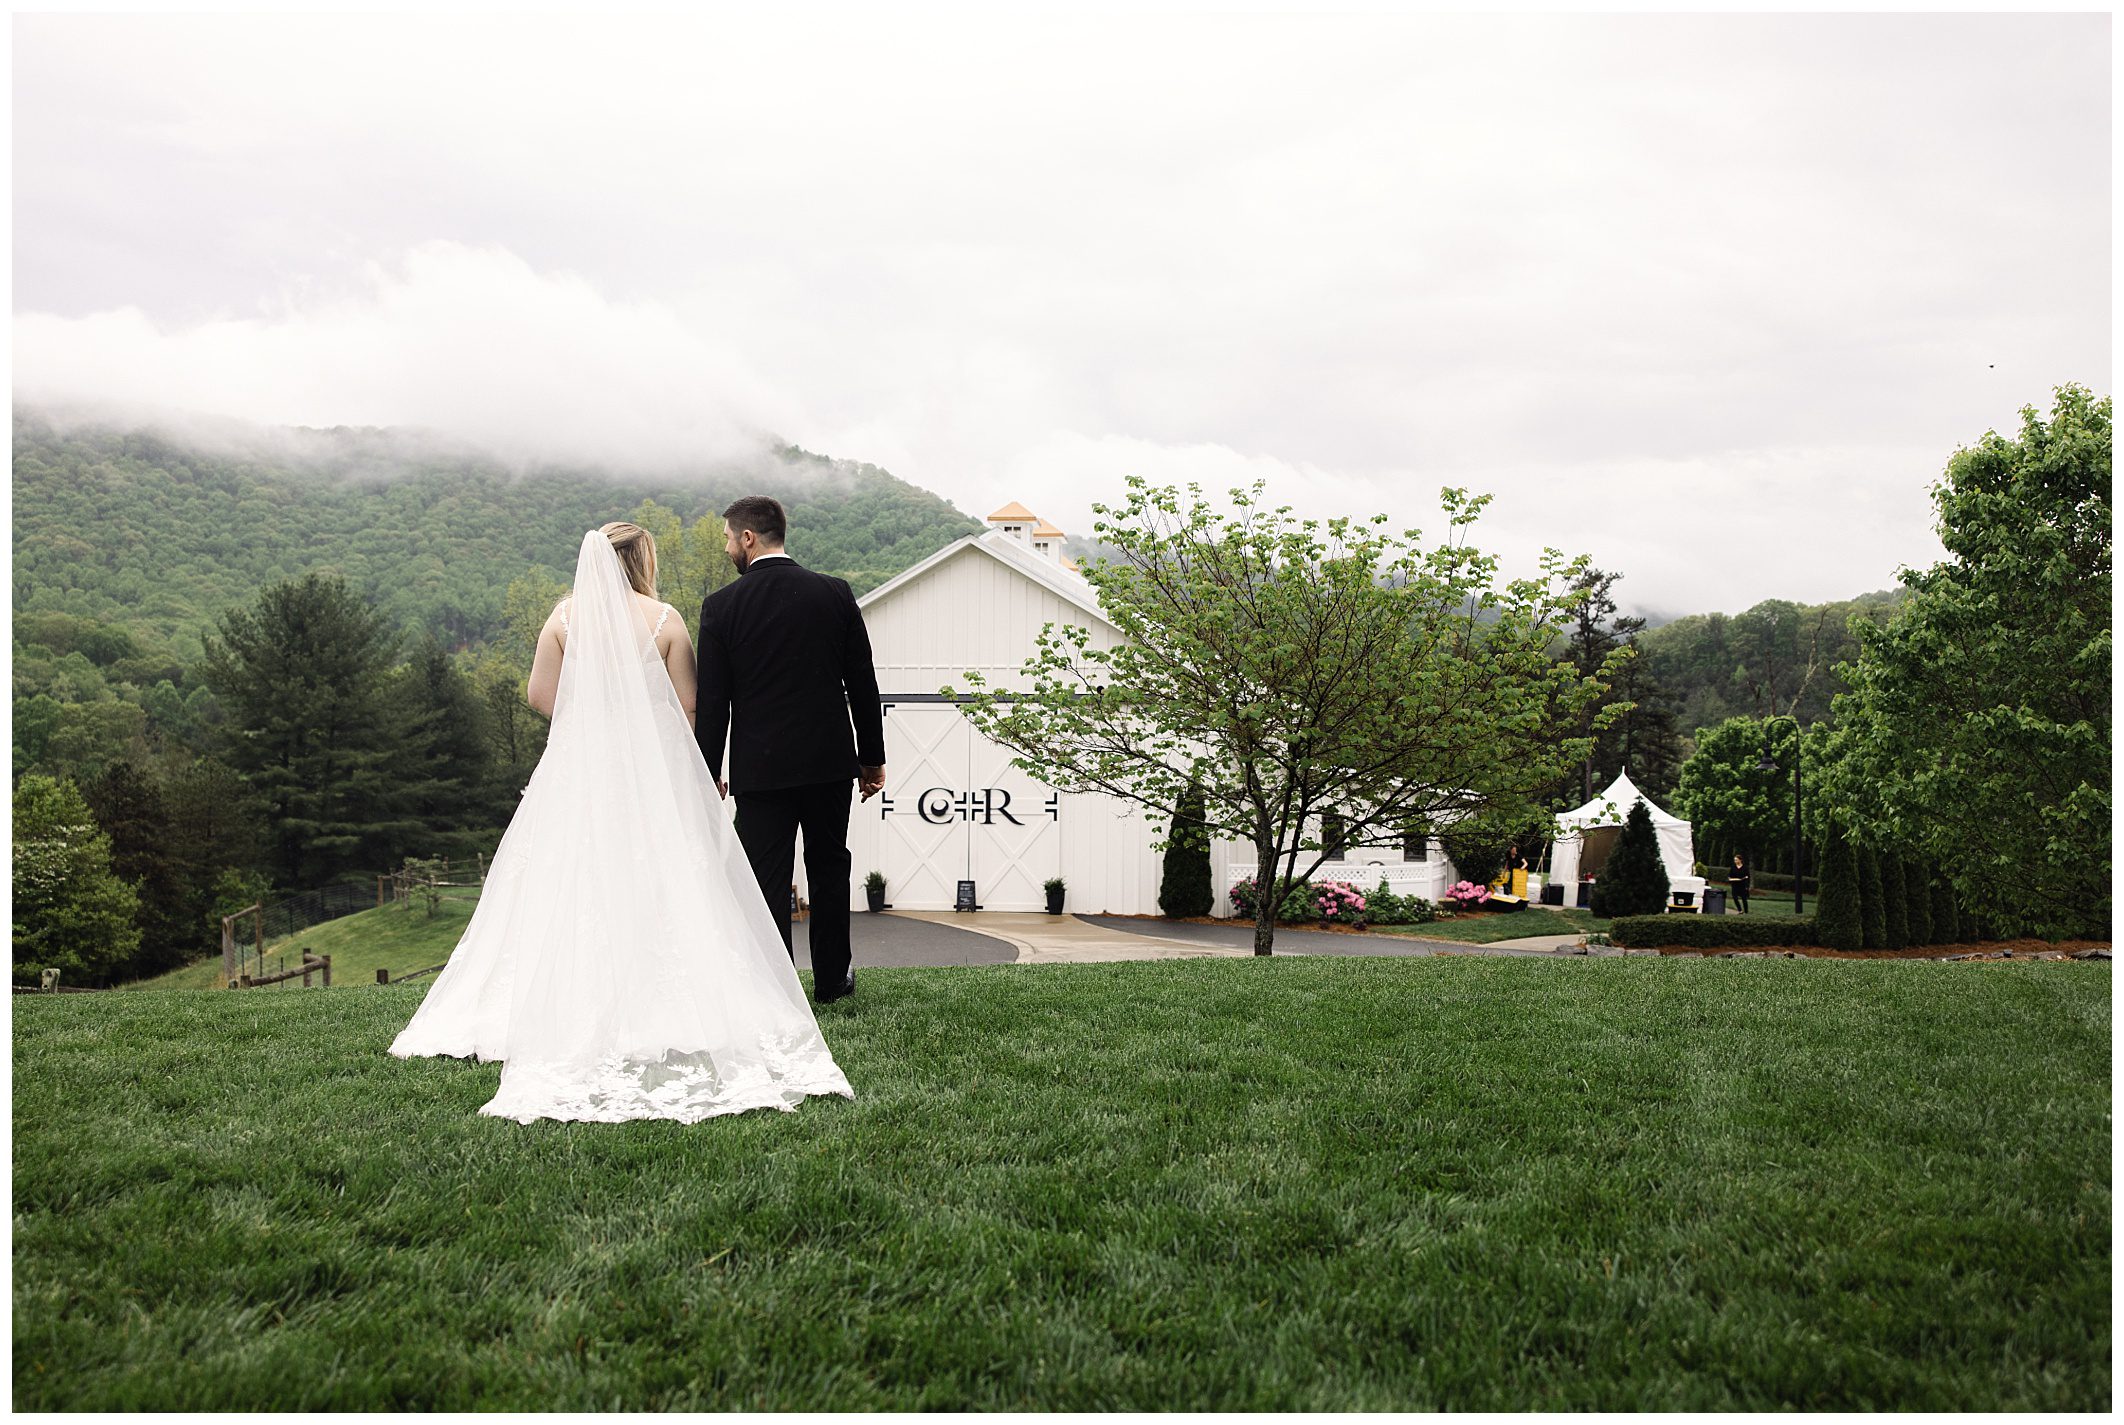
{"type": "Point", "coordinates": [767, 825]}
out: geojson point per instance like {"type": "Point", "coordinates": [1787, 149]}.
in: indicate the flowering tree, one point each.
{"type": "Point", "coordinates": [71, 912]}
{"type": "Point", "coordinates": [1292, 669]}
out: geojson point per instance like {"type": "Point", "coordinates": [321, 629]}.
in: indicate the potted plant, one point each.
{"type": "Point", "coordinates": [874, 889]}
{"type": "Point", "coordinates": [1054, 891]}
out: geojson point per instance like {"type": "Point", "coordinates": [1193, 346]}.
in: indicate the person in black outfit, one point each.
{"type": "Point", "coordinates": [785, 669]}
{"type": "Point", "coordinates": [1516, 867]}
{"type": "Point", "coordinates": [1737, 882]}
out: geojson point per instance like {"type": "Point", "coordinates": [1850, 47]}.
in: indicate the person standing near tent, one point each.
{"type": "Point", "coordinates": [1516, 872]}
{"type": "Point", "coordinates": [1737, 882]}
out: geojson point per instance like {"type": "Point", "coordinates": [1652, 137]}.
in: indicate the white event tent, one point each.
{"type": "Point", "coordinates": [1586, 836]}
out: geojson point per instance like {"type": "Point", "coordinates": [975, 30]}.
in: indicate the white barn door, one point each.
{"type": "Point", "coordinates": [922, 839]}
{"type": "Point", "coordinates": [955, 809]}
{"type": "Point", "coordinates": [1015, 836]}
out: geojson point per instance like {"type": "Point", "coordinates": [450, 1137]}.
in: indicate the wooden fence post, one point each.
{"type": "Point", "coordinates": [306, 958]}
{"type": "Point", "coordinates": [383, 977]}
{"type": "Point", "coordinates": [228, 949]}
{"type": "Point", "coordinates": [328, 972]}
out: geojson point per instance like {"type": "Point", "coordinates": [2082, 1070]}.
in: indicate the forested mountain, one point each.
{"type": "Point", "coordinates": [196, 610]}
{"type": "Point", "coordinates": [1694, 672]}
{"type": "Point", "coordinates": [268, 659]}
{"type": "Point", "coordinates": [158, 533]}
{"type": "Point", "coordinates": [1777, 657]}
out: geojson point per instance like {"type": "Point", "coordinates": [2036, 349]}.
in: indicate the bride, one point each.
{"type": "Point", "coordinates": [621, 962]}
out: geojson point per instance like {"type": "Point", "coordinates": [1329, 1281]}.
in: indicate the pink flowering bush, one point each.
{"type": "Point", "coordinates": [1338, 901]}
{"type": "Point", "coordinates": [1335, 901]}
{"type": "Point", "coordinates": [1467, 895]}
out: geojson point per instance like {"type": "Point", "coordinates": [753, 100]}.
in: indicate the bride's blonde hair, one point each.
{"type": "Point", "coordinates": [636, 548]}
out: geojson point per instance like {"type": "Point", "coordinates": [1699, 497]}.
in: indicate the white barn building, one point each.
{"type": "Point", "coordinates": [954, 809]}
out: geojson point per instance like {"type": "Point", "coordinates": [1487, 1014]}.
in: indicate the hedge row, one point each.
{"type": "Point", "coordinates": [1710, 932]}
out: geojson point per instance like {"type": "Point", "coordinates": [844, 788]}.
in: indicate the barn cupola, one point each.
{"type": "Point", "coordinates": [1036, 534]}
{"type": "Point", "coordinates": [1016, 521]}
{"type": "Point", "coordinates": [1047, 542]}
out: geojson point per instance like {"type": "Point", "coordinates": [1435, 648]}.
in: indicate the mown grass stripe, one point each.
{"type": "Point", "coordinates": [1306, 1183]}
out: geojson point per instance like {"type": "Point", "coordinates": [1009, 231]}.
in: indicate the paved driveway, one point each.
{"type": "Point", "coordinates": [894, 939]}
{"type": "Point", "coordinates": [916, 937]}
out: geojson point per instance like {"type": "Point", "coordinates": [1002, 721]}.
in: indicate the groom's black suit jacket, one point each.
{"type": "Point", "coordinates": [784, 669]}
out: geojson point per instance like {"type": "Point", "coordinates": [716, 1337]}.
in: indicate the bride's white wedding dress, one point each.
{"type": "Point", "coordinates": [621, 963]}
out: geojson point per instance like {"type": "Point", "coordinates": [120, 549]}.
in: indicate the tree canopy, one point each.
{"type": "Point", "coordinates": [1978, 723]}
{"type": "Point", "coordinates": [1297, 670]}
{"type": "Point", "coordinates": [314, 729]}
{"type": "Point", "coordinates": [72, 913]}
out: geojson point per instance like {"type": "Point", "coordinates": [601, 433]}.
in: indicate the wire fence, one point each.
{"type": "Point", "coordinates": [297, 913]}
{"type": "Point", "coordinates": [246, 933]}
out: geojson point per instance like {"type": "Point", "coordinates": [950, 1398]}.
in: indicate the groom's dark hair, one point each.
{"type": "Point", "coordinates": [762, 514]}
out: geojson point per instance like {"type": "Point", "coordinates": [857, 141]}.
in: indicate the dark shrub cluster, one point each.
{"type": "Point", "coordinates": [1711, 932]}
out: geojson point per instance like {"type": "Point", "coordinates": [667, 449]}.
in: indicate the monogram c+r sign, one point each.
{"type": "Point", "coordinates": [940, 806]}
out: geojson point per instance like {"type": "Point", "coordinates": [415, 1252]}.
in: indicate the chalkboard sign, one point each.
{"type": "Point", "coordinates": [966, 897]}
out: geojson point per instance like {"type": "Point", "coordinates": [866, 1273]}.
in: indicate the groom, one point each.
{"type": "Point", "coordinates": [785, 667]}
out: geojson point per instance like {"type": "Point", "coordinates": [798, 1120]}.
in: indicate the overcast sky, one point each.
{"type": "Point", "coordinates": [1710, 298]}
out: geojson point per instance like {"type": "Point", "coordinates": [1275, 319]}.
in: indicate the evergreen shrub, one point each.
{"type": "Point", "coordinates": [1873, 914]}
{"type": "Point", "coordinates": [1895, 911]}
{"type": "Point", "coordinates": [1711, 932]}
{"type": "Point", "coordinates": [1837, 912]}
{"type": "Point", "coordinates": [1185, 889]}
{"type": "Point", "coordinates": [1634, 882]}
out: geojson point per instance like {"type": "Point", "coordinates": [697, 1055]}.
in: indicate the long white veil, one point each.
{"type": "Point", "coordinates": [621, 962]}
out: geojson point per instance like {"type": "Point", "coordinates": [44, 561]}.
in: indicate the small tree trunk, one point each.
{"type": "Point", "coordinates": [1266, 902]}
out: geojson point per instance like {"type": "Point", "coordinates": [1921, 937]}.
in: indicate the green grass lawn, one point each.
{"type": "Point", "coordinates": [1319, 1183]}
{"type": "Point", "coordinates": [392, 937]}
{"type": "Point", "coordinates": [1489, 929]}
{"type": "Point", "coordinates": [1771, 904]}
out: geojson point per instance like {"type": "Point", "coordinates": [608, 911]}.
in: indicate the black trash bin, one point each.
{"type": "Point", "coordinates": [1714, 900]}
{"type": "Point", "coordinates": [1552, 895]}
{"type": "Point", "coordinates": [1585, 895]}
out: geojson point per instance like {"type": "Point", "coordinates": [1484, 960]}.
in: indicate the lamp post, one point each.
{"type": "Point", "coordinates": [1767, 763]}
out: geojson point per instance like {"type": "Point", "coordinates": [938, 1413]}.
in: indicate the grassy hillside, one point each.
{"type": "Point", "coordinates": [392, 937]}
{"type": "Point", "coordinates": [1308, 1183]}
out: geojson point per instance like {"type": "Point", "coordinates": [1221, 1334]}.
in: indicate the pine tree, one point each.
{"type": "Point", "coordinates": [302, 673]}
{"type": "Point", "coordinates": [445, 750]}
{"type": "Point", "coordinates": [128, 804]}
{"type": "Point", "coordinates": [1836, 910]}
{"type": "Point", "coordinates": [1634, 882]}
{"type": "Point", "coordinates": [1895, 913]}
{"type": "Point", "coordinates": [1186, 889]}
{"type": "Point", "coordinates": [1917, 901]}
{"type": "Point", "coordinates": [1873, 917]}
{"type": "Point", "coordinates": [1946, 922]}
{"type": "Point", "coordinates": [1595, 632]}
